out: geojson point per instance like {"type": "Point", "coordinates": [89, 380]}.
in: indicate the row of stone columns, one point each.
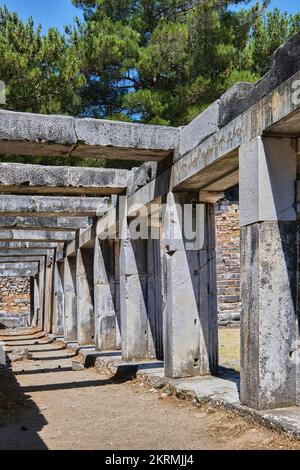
{"type": "Point", "coordinates": [157, 298]}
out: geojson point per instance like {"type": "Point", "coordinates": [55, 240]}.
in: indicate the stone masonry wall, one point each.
{"type": "Point", "coordinates": [228, 262]}
{"type": "Point", "coordinates": [14, 302]}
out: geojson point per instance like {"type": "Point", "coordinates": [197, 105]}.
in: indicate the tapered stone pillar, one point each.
{"type": "Point", "coordinates": [35, 301]}
{"type": "Point", "coordinates": [41, 286]}
{"type": "Point", "coordinates": [107, 331]}
{"type": "Point", "coordinates": [58, 299]}
{"type": "Point", "coordinates": [70, 307]}
{"type": "Point", "coordinates": [269, 266]}
{"type": "Point", "coordinates": [140, 298]}
{"type": "Point", "coordinates": [48, 300]}
{"type": "Point", "coordinates": [190, 292]}
{"type": "Point", "coordinates": [85, 296]}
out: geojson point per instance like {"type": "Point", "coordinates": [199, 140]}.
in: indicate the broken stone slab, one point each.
{"type": "Point", "coordinates": [36, 235]}
{"type": "Point", "coordinates": [67, 223]}
{"type": "Point", "coordinates": [20, 354]}
{"type": "Point", "coordinates": [77, 366]}
{"type": "Point", "coordinates": [119, 369]}
{"type": "Point", "coordinates": [88, 357]}
{"type": "Point", "coordinates": [19, 178]}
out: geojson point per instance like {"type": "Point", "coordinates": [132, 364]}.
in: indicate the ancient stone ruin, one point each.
{"type": "Point", "coordinates": [95, 284]}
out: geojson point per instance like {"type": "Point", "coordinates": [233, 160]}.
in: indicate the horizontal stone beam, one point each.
{"type": "Point", "coordinates": [52, 206]}
{"type": "Point", "coordinates": [13, 245]}
{"type": "Point", "coordinates": [36, 134]}
{"type": "Point", "coordinates": [36, 235]}
{"type": "Point", "coordinates": [22, 265]}
{"type": "Point", "coordinates": [19, 272]}
{"type": "Point", "coordinates": [37, 179]}
{"type": "Point", "coordinates": [28, 252]}
{"type": "Point", "coordinates": [18, 259]}
{"type": "Point", "coordinates": [51, 223]}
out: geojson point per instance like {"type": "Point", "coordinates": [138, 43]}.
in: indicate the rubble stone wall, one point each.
{"type": "Point", "coordinates": [15, 304]}
{"type": "Point", "coordinates": [228, 262]}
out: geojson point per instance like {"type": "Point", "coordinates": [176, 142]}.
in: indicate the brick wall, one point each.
{"type": "Point", "coordinates": [14, 302]}
{"type": "Point", "coordinates": [228, 262]}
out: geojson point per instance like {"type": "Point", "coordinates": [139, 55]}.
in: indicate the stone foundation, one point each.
{"type": "Point", "coordinates": [14, 302]}
{"type": "Point", "coordinates": [228, 262]}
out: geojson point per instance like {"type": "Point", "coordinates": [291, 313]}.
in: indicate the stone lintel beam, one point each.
{"type": "Point", "coordinates": [36, 134]}
{"type": "Point", "coordinates": [17, 245]}
{"type": "Point", "coordinates": [46, 223]}
{"type": "Point", "coordinates": [18, 259]}
{"type": "Point", "coordinates": [36, 235]}
{"type": "Point", "coordinates": [19, 272]}
{"type": "Point", "coordinates": [38, 179]}
{"type": "Point", "coordinates": [19, 253]}
{"type": "Point", "coordinates": [18, 265]}
{"type": "Point", "coordinates": [51, 206]}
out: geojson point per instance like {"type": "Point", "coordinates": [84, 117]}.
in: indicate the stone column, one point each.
{"type": "Point", "coordinates": [85, 296]}
{"type": "Point", "coordinates": [107, 332]}
{"type": "Point", "coordinates": [35, 301]}
{"type": "Point", "coordinates": [58, 300]}
{"type": "Point", "coordinates": [140, 298]}
{"type": "Point", "coordinates": [269, 265]}
{"type": "Point", "coordinates": [190, 292]}
{"type": "Point", "coordinates": [70, 307]}
{"type": "Point", "coordinates": [48, 300]}
{"type": "Point", "coordinates": [41, 286]}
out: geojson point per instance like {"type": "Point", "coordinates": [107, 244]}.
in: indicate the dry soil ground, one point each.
{"type": "Point", "coordinates": [45, 405]}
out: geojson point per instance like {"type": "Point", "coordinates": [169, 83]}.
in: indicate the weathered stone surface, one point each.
{"type": "Point", "coordinates": [140, 299]}
{"type": "Point", "coordinates": [106, 291]}
{"type": "Point", "coordinates": [58, 300]}
{"type": "Point", "coordinates": [267, 180]}
{"type": "Point", "coordinates": [202, 127]}
{"type": "Point", "coordinates": [190, 301]}
{"type": "Point", "coordinates": [85, 297]}
{"type": "Point", "coordinates": [36, 235]}
{"type": "Point", "coordinates": [53, 206]}
{"type": "Point", "coordinates": [232, 102]}
{"type": "Point", "coordinates": [57, 223]}
{"type": "Point", "coordinates": [140, 176]}
{"type": "Point", "coordinates": [33, 134]}
{"type": "Point", "coordinates": [20, 354]}
{"type": "Point", "coordinates": [270, 334]}
{"type": "Point", "coordinates": [30, 272]}
{"type": "Point", "coordinates": [37, 128]}
{"type": "Point", "coordinates": [35, 179]}
{"type": "Point", "coordinates": [70, 308]}
{"type": "Point", "coordinates": [150, 140]}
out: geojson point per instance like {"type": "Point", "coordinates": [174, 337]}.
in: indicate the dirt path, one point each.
{"type": "Point", "coordinates": [45, 405]}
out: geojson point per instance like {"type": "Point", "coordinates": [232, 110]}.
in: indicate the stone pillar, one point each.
{"type": "Point", "coordinates": [70, 307]}
{"type": "Point", "coordinates": [58, 299]}
{"type": "Point", "coordinates": [269, 265]}
{"type": "Point", "coordinates": [35, 301]}
{"type": "Point", "coordinates": [190, 291]}
{"type": "Point", "coordinates": [48, 300]}
{"type": "Point", "coordinates": [107, 332]}
{"type": "Point", "coordinates": [140, 298]}
{"type": "Point", "coordinates": [85, 296]}
{"type": "Point", "coordinates": [41, 286]}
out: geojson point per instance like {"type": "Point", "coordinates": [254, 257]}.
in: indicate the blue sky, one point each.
{"type": "Point", "coordinates": [60, 12]}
